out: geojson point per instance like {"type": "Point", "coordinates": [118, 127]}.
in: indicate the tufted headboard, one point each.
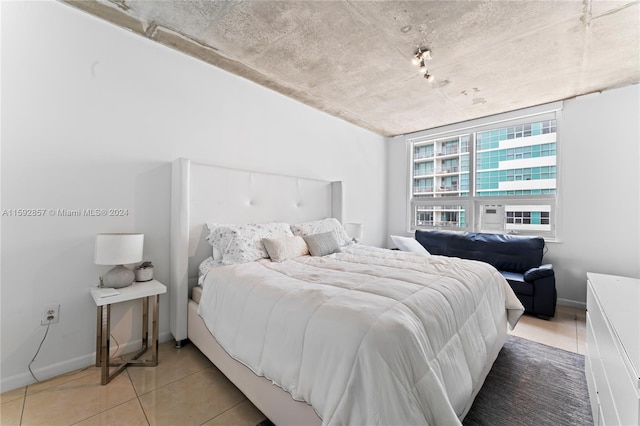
{"type": "Point", "coordinates": [204, 193]}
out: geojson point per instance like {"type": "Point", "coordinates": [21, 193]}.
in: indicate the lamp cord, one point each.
{"type": "Point", "coordinates": [40, 347]}
{"type": "Point", "coordinates": [117, 344]}
{"type": "Point", "coordinates": [42, 342]}
{"type": "Point", "coordinates": [38, 351]}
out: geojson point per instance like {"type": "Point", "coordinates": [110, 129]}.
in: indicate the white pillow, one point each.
{"type": "Point", "coordinates": [243, 243]}
{"type": "Point", "coordinates": [409, 244]}
{"type": "Point", "coordinates": [281, 249]}
{"type": "Point", "coordinates": [321, 226]}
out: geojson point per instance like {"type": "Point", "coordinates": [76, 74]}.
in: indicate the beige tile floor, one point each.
{"type": "Point", "coordinates": [186, 389]}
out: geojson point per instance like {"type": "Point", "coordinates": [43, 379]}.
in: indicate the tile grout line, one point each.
{"type": "Point", "coordinates": [103, 411]}
{"type": "Point", "coordinates": [175, 381]}
{"type": "Point", "coordinates": [24, 403]}
{"type": "Point", "coordinates": [110, 408]}
{"type": "Point", "coordinates": [230, 408]}
{"type": "Point", "coordinates": [168, 383]}
{"type": "Point", "coordinates": [68, 376]}
{"type": "Point", "coordinates": [138, 397]}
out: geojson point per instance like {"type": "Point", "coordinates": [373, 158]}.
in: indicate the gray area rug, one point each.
{"type": "Point", "coordinates": [530, 384]}
{"type": "Point", "coordinates": [533, 384]}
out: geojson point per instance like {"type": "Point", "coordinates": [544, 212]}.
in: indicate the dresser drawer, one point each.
{"type": "Point", "coordinates": [603, 395]}
{"type": "Point", "coordinates": [591, 386]}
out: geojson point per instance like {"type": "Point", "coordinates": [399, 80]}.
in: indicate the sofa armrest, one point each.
{"type": "Point", "coordinates": [542, 271]}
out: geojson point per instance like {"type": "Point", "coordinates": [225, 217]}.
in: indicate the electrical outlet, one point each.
{"type": "Point", "coordinates": [50, 315]}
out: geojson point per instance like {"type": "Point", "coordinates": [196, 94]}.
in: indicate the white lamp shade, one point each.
{"type": "Point", "coordinates": [354, 230]}
{"type": "Point", "coordinates": [118, 249]}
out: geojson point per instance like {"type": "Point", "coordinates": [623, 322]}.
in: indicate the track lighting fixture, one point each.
{"type": "Point", "coordinates": [421, 55]}
{"type": "Point", "coordinates": [424, 55]}
{"type": "Point", "coordinates": [419, 58]}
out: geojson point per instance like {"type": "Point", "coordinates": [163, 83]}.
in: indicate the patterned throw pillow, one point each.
{"type": "Point", "coordinates": [321, 226]}
{"type": "Point", "coordinates": [243, 243]}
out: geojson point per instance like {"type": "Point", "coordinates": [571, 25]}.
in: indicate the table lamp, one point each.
{"type": "Point", "coordinates": [118, 249]}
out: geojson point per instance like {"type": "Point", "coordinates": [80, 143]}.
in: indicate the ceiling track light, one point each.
{"type": "Point", "coordinates": [425, 55]}
{"type": "Point", "coordinates": [419, 58]}
{"type": "Point", "coordinates": [423, 67]}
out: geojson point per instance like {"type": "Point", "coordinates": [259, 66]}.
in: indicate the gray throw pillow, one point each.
{"type": "Point", "coordinates": [322, 244]}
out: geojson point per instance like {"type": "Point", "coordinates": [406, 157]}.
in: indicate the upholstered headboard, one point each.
{"type": "Point", "coordinates": [204, 193]}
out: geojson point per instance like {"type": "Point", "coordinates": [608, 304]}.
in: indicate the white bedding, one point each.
{"type": "Point", "coordinates": [366, 336]}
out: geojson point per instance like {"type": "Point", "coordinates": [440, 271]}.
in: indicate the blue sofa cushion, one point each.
{"type": "Point", "coordinates": [518, 284]}
{"type": "Point", "coordinates": [512, 253]}
{"type": "Point", "coordinates": [512, 276]}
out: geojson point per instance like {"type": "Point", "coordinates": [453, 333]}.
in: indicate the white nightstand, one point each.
{"type": "Point", "coordinates": [149, 289]}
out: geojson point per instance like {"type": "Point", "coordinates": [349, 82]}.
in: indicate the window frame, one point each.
{"type": "Point", "coordinates": [472, 203]}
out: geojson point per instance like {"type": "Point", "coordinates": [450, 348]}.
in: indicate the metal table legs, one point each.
{"type": "Point", "coordinates": [102, 340]}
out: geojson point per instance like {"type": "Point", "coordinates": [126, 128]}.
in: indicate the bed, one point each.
{"type": "Point", "coordinates": [440, 390]}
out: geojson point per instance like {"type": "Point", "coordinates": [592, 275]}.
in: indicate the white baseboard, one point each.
{"type": "Point", "coordinates": [67, 366]}
{"type": "Point", "coordinates": [47, 372]}
{"type": "Point", "coordinates": [572, 303]}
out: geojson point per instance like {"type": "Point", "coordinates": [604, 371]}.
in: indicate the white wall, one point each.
{"type": "Point", "coordinates": [92, 115]}
{"type": "Point", "coordinates": [601, 190]}
{"type": "Point", "coordinates": [599, 142]}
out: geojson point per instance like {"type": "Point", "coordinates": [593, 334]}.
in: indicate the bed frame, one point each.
{"type": "Point", "coordinates": [204, 193]}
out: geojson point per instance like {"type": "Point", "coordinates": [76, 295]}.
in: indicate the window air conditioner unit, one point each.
{"type": "Point", "coordinates": [492, 218]}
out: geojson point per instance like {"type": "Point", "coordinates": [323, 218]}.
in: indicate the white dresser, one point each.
{"type": "Point", "coordinates": [612, 360]}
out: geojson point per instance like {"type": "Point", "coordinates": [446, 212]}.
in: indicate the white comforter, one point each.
{"type": "Point", "coordinates": [367, 336]}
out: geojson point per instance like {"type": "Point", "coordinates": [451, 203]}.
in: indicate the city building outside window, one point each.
{"type": "Point", "coordinates": [497, 174]}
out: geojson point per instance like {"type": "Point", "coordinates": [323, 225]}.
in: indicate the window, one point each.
{"type": "Point", "coordinates": [497, 174]}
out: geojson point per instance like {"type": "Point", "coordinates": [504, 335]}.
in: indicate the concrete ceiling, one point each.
{"type": "Point", "coordinates": [352, 59]}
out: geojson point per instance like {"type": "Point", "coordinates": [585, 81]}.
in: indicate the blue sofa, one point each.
{"type": "Point", "coordinates": [518, 258]}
